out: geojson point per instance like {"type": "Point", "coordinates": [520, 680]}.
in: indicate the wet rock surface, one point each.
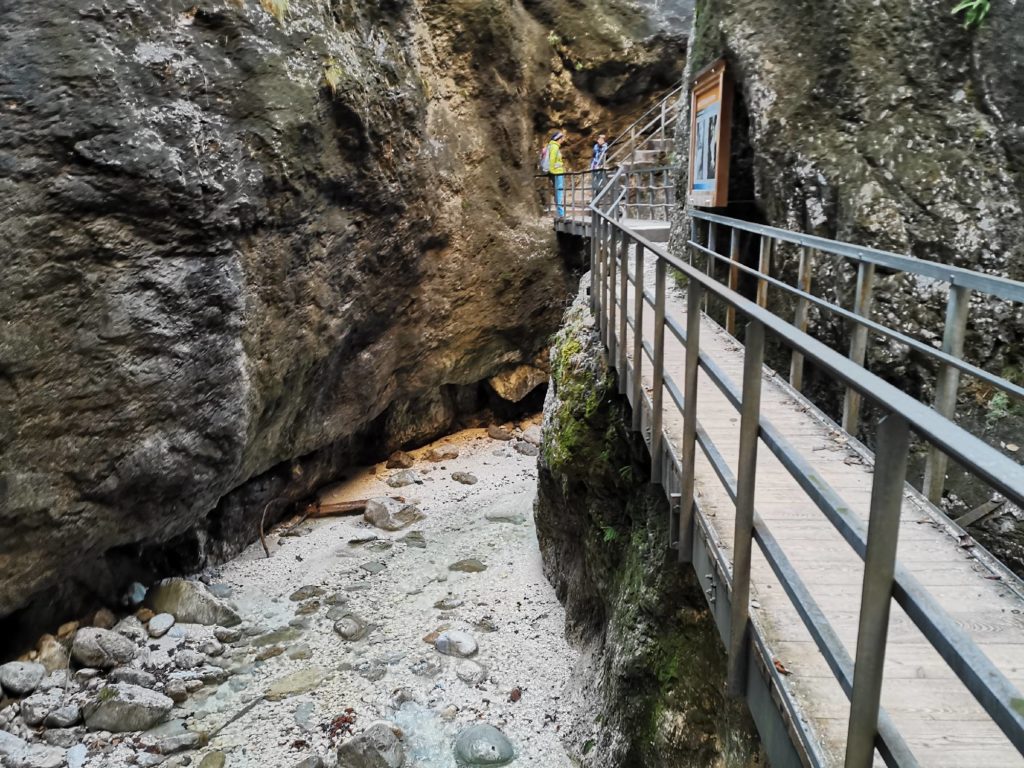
{"type": "Point", "coordinates": [480, 745]}
{"type": "Point", "coordinates": [650, 656]}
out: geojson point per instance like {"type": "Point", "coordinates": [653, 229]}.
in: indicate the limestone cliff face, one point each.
{"type": "Point", "coordinates": [236, 247]}
{"type": "Point", "coordinates": [649, 688]}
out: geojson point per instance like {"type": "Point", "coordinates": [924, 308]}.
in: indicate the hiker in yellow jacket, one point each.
{"type": "Point", "coordinates": [556, 167]}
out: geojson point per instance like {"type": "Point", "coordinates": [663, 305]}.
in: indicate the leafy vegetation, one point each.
{"type": "Point", "coordinates": [974, 12]}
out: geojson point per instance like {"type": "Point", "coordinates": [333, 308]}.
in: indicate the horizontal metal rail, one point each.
{"type": "Point", "coordinates": [611, 242]}
{"type": "Point", "coordinates": [1000, 287]}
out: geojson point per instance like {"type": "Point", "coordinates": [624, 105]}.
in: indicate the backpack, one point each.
{"type": "Point", "coordinates": [545, 160]}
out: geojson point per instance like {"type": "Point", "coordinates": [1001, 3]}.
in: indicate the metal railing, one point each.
{"type": "Point", "coordinates": [885, 579]}
{"type": "Point", "coordinates": [657, 123]}
{"type": "Point", "coordinates": [579, 188]}
{"type": "Point", "coordinates": [721, 246]}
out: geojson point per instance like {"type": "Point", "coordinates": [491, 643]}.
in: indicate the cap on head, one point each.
{"type": "Point", "coordinates": [558, 135]}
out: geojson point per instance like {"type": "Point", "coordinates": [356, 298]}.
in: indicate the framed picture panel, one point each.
{"type": "Point", "coordinates": [710, 133]}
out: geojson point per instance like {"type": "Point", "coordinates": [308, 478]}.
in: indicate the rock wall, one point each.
{"type": "Point", "coordinates": [887, 125]}
{"type": "Point", "coordinates": [649, 688]}
{"type": "Point", "coordinates": [242, 251]}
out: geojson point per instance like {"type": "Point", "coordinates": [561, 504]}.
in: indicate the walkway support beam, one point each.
{"type": "Point", "coordinates": [694, 291]}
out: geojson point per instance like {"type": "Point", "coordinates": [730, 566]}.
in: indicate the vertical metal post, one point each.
{"type": "Point", "coordinates": [734, 280]}
{"type": "Point", "coordinates": [693, 301]}
{"type": "Point", "coordinates": [638, 338]}
{"type": "Point", "coordinates": [709, 265]}
{"type": "Point", "coordinates": [632, 142]}
{"type": "Point", "coordinates": [613, 344]}
{"type": "Point", "coordinates": [605, 245]}
{"type": "Point", "coordinates": [876, 593]}
{"type": "Point", "coordinates": [594, 278]}
{"type": "Point", "coordinates": [796, 363]}
{"type": "Point", "coordinates": [621, 346]}
{"type": "Point", "coordinates": [750, 427]}
{"type": "Point", "coordinates": [858, 342]}
{"type": "Point", "coordinates": [658, 369]}
{"type": "Point", "coordinates": [764, 265]}
{"type": "Point", "coordinates": [947, 385]}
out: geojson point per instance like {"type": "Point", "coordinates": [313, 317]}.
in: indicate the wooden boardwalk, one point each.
{"type": "Point", "coordinates": [937, 716]}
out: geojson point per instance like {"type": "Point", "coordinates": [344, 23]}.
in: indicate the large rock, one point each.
{"type": "Point", "coordinates": [390, 515]}
{"type": "Point", "coordinates": [481, 745]}
{"type": "Point", "coordinates": [124, 707]}
{"type": "Point", "coordinates": [190, 602]}
{"type": "Point", "coordinates": [101, 648]}
{"type": "Point", "coordinates": [379, 746]}
{"type": "Point", "coordinates": [216, 263]}
{"type": "Point", "coordinates": [515, 384]}
{"type": "Point", "coordinates": [651, 669]}
{"type": "Point", "coordinates": [19, 678]}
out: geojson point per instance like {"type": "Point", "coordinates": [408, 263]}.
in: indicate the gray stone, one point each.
{"type": "Point", "coordinates": [442, 453]}
{"type": "Point", "coordinates": [227, 635]}
{"type": "Point", "coordinates": [351, 627]}
{"type": "Point", "coordinates": [466, 478]}
{"type": "Point", "coordinates": [509, 510]}
{"type": "Point", "coordinates": [36, 756]}
{"type": "Point", "coordinates": [482, 745]}
{"type": "Point", "coordinates": [306, 592]}
{"type": "Point", "coordinates": [104, 619]}
{"type": "Point", "coordinates": [300, 681]}
{"type": "Point", "coordinates": [176, 691]}
{"type": "Point", "coordinates": [190, 602]}
{"type": "Point", "coordinates": [379, 746]}
{"type": "Point", "coordinates": [61, 678]}
{"type": "Point", "coordinates": [448, 603]}
{"type": "Point", "coordinates": [496, 432]}
{"type": "Point", "coordinates": [213, 760]}
{"type": "Point", "coordinates": [10, 744]}
{"type": "Point", "coordinates": [124, 707]}
{"type": "Point", "coordinates": [64, 717]}
{"type": "Point", "coordinates": [132, 628]}
{"type": "Point", "coordinates": [20, 678]}
{"type": "Point", "coordinates": [212, 647]}
{"type": "Point", "coordinates": [403, 478]}
{"type": "Point", "coordinates": [525, 448]}
{"type": "Point", "coordinates": [470, 672]}
{"type": "Point", "coordinates": [313, 761]}
{"type": "Point", "coordinates": [160, 624]}
{"type": "Point", "coordinates": [178, 743]}
{"type": "Point", "coordinates": [456, 643]}
{"type": "Point", "coordinates": [77, 755]}
{"type": "Point", "coordinates": [469, 565]}
{"type": "Point", "coordinates": [414, 539]}
{"type": "Point", "coordinates": [36, 707]}
{"type": "Point", "coordinates": [390, 515]}
{"type": "Point", "coordinates": [400, 460]}
{"type": "Point", "coordinates": [533, 434]}
{"type": "Point", "coordinates": [189, 659]}
{"type": "Point", "coordinates": [223, 591]}
{"type": "Point", "coordinates": [64, 737]}
{"type": "Point", "coordinates": [101, 648]}
{"type": "Point", "coordinates": [132, 676]}
{"type": "Point", "coordinates": [373, 566]}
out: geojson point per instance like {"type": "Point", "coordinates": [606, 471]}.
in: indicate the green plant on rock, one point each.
{"type": "Point", "coordinates": [332, 76]}
{"type": "Point", "coordinates": [974, 12]}
{"type": "Point", "coordinates": [608, 534]}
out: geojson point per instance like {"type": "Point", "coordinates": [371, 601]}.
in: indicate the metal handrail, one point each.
{"type": "Point", "coordinates": [885, 579]}
{"type": "Point", "coordinates": [664, 106]}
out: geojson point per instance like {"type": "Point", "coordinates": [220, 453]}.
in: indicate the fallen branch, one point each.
{"type": "Point", "coordinates": [263, 521]}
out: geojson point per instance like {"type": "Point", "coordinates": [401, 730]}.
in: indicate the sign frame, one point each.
{"type": "Point", "coordinates": [711, 97]}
